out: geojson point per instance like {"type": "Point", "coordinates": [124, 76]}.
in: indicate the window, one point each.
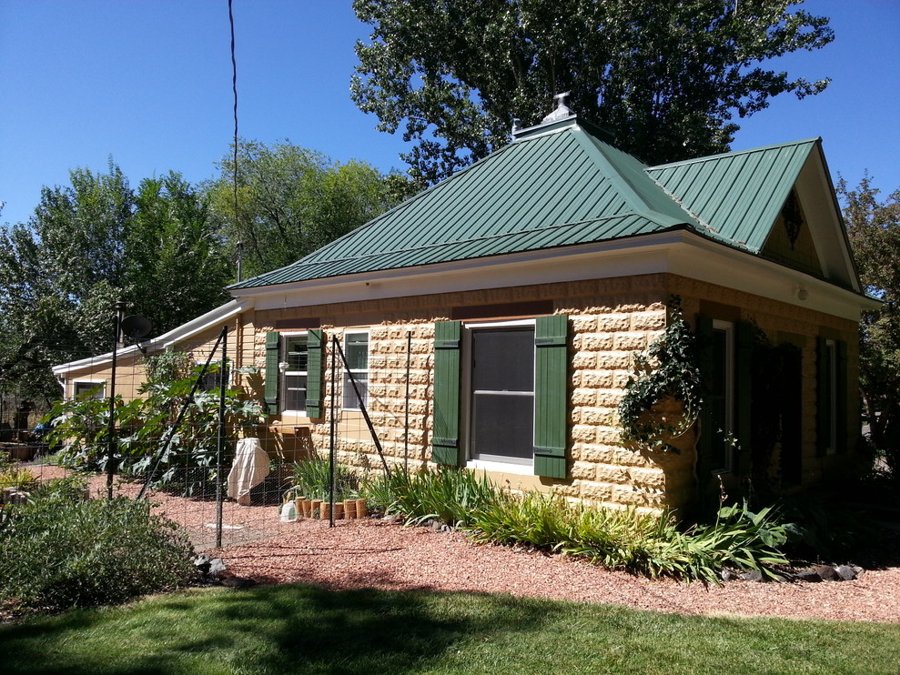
{"type": "Point", "coordinates": [501, 392]}
{"type": "Point", "coordinates": [721, 396]}
{"type": "Point", "coordinates": [210, 381]}
{"type": "Point", "coordinates": [293, 370]}
{"type": "Point", "coordinates": [500, 395]}
{"type": "Point", "coordinates": [356, 351]}
{"type": "Point", "coordinates": [89, 389]}
{"type": "Point", "coordinates": [832, 410]}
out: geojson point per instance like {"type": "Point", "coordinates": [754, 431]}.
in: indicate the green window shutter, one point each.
{"type": "Point", "coordinates": [550, 395]}
{"type": "Point", "coordinates": [273, 376]}
{"type": "Point", "coordinates": [743, 370]}
{"type": "Point", "coordinates": [841, 395]}
{"type": "Point", "coordinates": [314, 343]}
{"type": "Point", "coordinates": [705, 358]}
{"type": "Point", "coordinates": [823, 397]}
{"type": "Point", "coordinates": [445, 446]}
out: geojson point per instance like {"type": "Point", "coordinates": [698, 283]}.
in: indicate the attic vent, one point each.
{"type": "Point", "coordinates": [561, 111]}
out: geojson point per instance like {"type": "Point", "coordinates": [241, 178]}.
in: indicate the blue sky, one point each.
{"type": "Point", "coordinates": [149, 84]}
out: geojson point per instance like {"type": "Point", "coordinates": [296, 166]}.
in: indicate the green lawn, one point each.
{"type": "Point", "coordinates": [300, 629]}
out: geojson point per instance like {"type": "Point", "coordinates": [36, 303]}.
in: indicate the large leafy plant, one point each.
{"type": "Point", "coordinates": [144, 425]}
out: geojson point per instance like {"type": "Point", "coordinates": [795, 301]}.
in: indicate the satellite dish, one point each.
{"type": "Point", "coordinates": [136, 326]}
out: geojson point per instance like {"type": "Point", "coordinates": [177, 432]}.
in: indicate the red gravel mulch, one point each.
{"type": "Point", "coordinates": [373, 553]}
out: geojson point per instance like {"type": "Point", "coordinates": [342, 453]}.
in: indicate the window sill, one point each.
{"type": "Point", "coordinates": [501, 467]}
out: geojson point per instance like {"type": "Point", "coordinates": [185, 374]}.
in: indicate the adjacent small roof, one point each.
{"type": "Point", "coordinates": [738, 195]}
{"type": "Point", "coordinates": [558, 184]}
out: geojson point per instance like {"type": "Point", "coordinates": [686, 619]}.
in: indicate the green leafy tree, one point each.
{"type": "Point", "coordinates": [664, 78]}
{"type": "Point", "coordinates": [89, 244]}
{"type": "Point", "coordinates": [177, 265]}
{"type": "Point", "coordinates": [873, 226]}
{"type": "Point", "coordinates": [292, 201]}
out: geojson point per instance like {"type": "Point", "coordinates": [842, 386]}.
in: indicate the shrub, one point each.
{"type": "Point", "coordinates": [57, 553]}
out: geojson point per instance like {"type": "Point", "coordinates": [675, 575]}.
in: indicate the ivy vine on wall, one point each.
{"type": "Point", "coordinates": [668, 370]}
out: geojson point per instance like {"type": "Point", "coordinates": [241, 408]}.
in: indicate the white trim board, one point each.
{"type": "Point", "coordinates": [675, 252]}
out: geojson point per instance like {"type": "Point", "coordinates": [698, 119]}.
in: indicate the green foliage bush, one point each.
{"type": "Point", "coordinates": [57, 553]}
{"type": "Point", "coordinates": [618, 539]}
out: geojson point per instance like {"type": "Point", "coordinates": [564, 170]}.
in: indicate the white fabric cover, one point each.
{"type": "Point", "coordinates": [250, 468]}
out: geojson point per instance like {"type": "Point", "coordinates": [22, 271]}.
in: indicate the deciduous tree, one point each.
{"type": "Point", "coordinates": [664, 78]}
{"type": "Point", "coordinates": [873, 226]}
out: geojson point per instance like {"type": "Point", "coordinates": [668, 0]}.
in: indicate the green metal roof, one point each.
{"type": "Point", "coordinates": [559, 186]}
{"type": "Point", "coordinates": [736, 196]}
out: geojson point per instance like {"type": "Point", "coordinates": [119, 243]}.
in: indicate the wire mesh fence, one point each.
{"type": "Point", "coordinates": [225, 478]}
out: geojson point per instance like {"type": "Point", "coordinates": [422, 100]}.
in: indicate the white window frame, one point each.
{"type": "Point", "coordinates": [347, 388]}
{"type": "Point", "coordinates": [512, 465]}
{"type": "Point", "coordinates": [93, 383]}
{"type": "Point", "coordinates": [283, 374]}
{"type": "Point", "coordinates": [728, 328]}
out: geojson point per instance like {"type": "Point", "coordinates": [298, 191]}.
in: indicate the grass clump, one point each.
{"type": "Point", "coordinates": [452, 496]}
{"type": "Point", "coordinates": [312, 478]}
{"type": "Point", "coordinates": [59, 551]}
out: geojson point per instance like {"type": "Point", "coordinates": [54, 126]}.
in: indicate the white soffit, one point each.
{"type": "Point", "coordinates": [676, 252]}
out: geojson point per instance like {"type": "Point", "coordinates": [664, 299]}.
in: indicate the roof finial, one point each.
{"type": "Point", "coordinates": [561, 111]}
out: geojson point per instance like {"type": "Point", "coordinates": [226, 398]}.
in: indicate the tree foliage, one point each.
{"type": "Point", "coordinates": [664, 78]}
{"type": "Point", "coordinates": [292, 200]}
{"type": "Point", "coordinates": [873, 226]}
{"type": "Point", "coordinates": [87, 245]}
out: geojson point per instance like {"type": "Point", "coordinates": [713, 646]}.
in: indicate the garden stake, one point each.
{"type": "Point", "coordinates": [331, 451]}
{"type": "Point", "coordinates": [111, 450]}
{"type": "Point", "coordinates": [220, 441]}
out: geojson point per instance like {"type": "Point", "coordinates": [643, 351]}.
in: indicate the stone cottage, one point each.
{"type": "Point", "coordinates": [515, 293]}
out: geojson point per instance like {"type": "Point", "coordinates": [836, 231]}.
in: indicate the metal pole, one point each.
{"type": "Point", "coordinates": [331, 452]}
{"type": "Point", "coordinates": [220, 441]}
{"type": "Point", "coordinates": [406, 424]}
{"type": "Point", "coordinates": [111, 429]}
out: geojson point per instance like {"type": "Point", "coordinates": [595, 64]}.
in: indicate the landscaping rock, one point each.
{"type": "Point", "coordinates": [826, 572]}
{"type": "Point", "coordinates": [201, 562]}
{"type": "Point", "coordinates": [751, 575]}
{"type": "Point", "coordinates": [810, 575]}
{"type": "Point", "coordinates": [859, 570]}
{"type": "Point", "coordinates": [845, 573]}
{"type": "Point", "coordinates": [216, 568]}
{"type": "Point", "coordinates": [727, 575]}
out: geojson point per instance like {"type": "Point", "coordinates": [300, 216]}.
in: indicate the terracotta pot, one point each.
{"type": "Point", "coordinates": [315, 508]}
{"type": "Point", "coordinates": [362, 508]}
{"type": "Point", "coordinates": [349, 509]}
{"type": "Point", "coordinates": [339, 511]}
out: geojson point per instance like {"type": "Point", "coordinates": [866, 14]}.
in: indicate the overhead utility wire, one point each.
{"type": "Point", "coordinates": [234, 174]}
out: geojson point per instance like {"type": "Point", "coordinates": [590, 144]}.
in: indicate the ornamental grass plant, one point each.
{"type": "Point", "coordinates": [641, 543]}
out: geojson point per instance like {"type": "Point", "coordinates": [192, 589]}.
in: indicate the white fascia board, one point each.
{"type": "Point", "coordinates": [678, 252]}
{"type": "Point", "coordinates": [164, 341]}
{"type": "Point", "coordinates": [202, 323]}
{"type": "Point", "coordinates": [706, 260]}
{"type": "Point", "coordinates": [572, 263]}
{"type": "Point", "coordinates": [91, 361]}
